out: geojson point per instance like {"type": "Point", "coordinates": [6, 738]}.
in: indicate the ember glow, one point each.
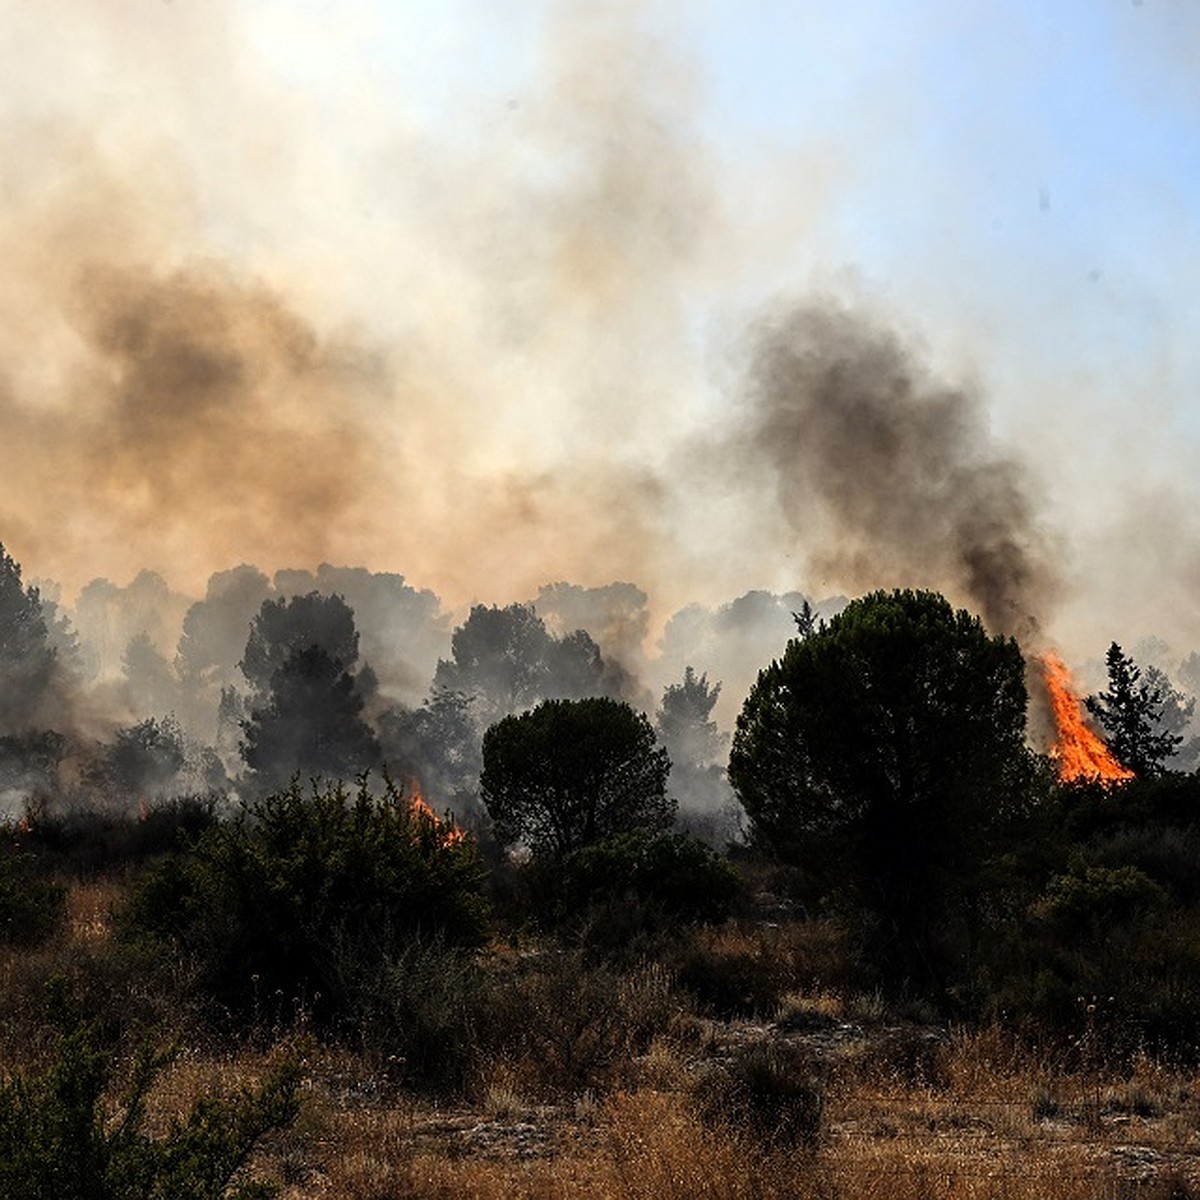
{"type": "Point", "coordinates": [1079, 752]}
{"type": "Point", "coordinates": [448, 833]}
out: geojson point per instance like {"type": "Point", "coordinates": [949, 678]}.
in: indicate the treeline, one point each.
{"type": "Point", "coordinates": [882, 766]}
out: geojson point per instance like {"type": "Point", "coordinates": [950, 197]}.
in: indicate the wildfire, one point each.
{"type": "Point", "coordinates": [1079, 752]}
{"type": "Point", "coordinates": [449, 833]}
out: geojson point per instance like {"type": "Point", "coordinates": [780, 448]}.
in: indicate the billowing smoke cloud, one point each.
{"type": "Point", "coordinates": [245, 323]}
{"type": "Point", "coordinates": [889, 476]}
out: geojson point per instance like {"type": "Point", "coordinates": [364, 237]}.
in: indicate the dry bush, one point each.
{"type": "Point", "coordinates": [573, 1027]}
{"type": "Point", "coordinates": [741, 969]}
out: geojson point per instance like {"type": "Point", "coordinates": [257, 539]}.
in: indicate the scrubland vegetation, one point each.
{"type": "Point", "coordinates": [929, 965]}
{"type": "Point", "coordinates": [334, 996]}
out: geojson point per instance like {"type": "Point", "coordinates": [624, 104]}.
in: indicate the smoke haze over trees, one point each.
{"type": "Point", "coordinates": [553, 329]}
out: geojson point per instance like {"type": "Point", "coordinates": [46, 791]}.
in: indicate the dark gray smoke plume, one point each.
{"type": "Point", "coordinates": [889, 477]}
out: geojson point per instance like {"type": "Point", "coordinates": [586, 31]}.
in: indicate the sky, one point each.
{"type": "Point", "coordinates": [474, 291]}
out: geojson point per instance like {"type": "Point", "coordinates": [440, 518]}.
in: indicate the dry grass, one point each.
{"type": "Point", "coordinates": [608, 1102]}
{"type": "Point", "coordinates": [978, 1133]}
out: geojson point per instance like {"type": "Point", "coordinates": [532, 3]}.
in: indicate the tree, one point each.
{"type": "Point", "coordinates": [438, 743]}
{"type": "Point", "coordinates": [694, 742]}
{"type": "Point", "coordinates": [506, 660]}
{"type": "Point", "coordinates": [283, 628]}
{"type": "Point", "coordinates": [26, 656]}
{"type": "Point", "coordinates": [311, 724]}
{"type": "Point", "coordinates": [880, 752]}
{"type": "Point", "coordinates": [1132, 714]}
{"type": "Point", "coordinates": [572, 772]}
{"type": "Point", "coordinates": [306, 707]}
{"type": "Point", "coordinates": [144, 760]}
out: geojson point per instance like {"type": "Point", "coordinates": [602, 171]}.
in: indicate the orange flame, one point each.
{"type": "Point", "coordinates": [450, 834]}
{"type": "Point", "coordinates": [1080, 754]}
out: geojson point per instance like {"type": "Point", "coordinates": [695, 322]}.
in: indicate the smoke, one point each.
{"type": "Point", "coordinates": [248, 323]}
{"type": "Point", "coordinates": [261, 308]}
{"type": "Point", "coordinates": [889, 477]}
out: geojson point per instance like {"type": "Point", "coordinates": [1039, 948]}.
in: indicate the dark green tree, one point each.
{"type": "Point", "coordinates": [26, 655]}
{"type": "Point", "coordinates": [506, 660]}
{"type": "Point", "coordinates": [1131, 713]}
{"type": "Point", "coordinates": [311, 724]}
{"type": "Point", "coordinates": [573, 772]}
{"type": "Point", "coordinates": [880, 753]}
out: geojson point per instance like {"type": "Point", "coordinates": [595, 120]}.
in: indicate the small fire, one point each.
{"type": "Point", "coordinates": [1079, 752]}
{"type": "Point", "coordinates": [449, 833]}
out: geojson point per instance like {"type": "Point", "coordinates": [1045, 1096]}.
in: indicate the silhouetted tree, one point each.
{"type": "Point", "coordinates": [694, 742]}
{"type": "Point", "coordinates": [284, 627]}
{"type": "Point", "coordinates": [879, 753]}
{"type": "Point", "coordinates": [26, 657]}
{"type": "Point", "coordinates": [144, 761]}
{"type": "Point", "coordinates": [439, 743]}
{"type": "Point", "coordinates": [573, 772]}
{"type": "Point", "coordinates": [152, 684]}
{"type": "Point", "coordinates": [311, 724]}
{"type": "Point", "coordinates": [306, 706]}
{"type": "Point", "coordinates": [1131, 713]}
{"type": "Point", "coordinates": [506, 660]}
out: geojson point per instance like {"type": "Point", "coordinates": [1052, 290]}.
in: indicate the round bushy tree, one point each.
{"type": "Point", "coordinates": [881, 752]}
{"type": "Point", "coordinates": [572, 772]}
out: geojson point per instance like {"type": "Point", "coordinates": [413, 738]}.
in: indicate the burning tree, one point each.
{"type": "Point", "coordinates": [1078, 751]}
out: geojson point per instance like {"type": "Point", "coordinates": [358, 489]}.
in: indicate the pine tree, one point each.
{"type": "Point", "coordinates": [1131, 713]}
{"type": "Point", "coordinates": [26, 655]}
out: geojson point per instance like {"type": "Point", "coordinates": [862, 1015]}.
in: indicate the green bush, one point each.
{"type": "Point", "coordinates": [303, 898]}
{"type": "Point", "coordinates": [620, 897]}
{"type": "Point", "coordinates": [58, 1138]}
{"type": "Point", "coordinates": [686, 879]}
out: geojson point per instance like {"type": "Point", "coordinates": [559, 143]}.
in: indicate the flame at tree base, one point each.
{"type": "Point", "coordinates": [447, 833]}
{"type": "Point", "coordinates": [1079, 752]}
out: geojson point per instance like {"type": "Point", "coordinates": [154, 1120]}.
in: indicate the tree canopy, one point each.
{"type": "Point", "coordinates": [569, 773]}
{"type": "Point", "coordinates": [26, 656]}
{"type": "Point", "coordinates": [506, 660]}
{"type": "Point", "coordinates": [306, 716]}
{"type": "Point", "coordinates": [879, 749]}
{"type": "Point", "coordinates": [1132, 714]}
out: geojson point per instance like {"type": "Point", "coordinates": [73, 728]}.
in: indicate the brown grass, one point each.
{"type": "Point", "coordinates": [608, 1103]}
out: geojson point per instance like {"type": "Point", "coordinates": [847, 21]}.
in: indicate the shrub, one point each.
{"type": "Point", "coordinates": [772, 1091]}
{"type": "Point", "coordinates": [57, 1139]}
{"type": "Point", "coordinates": [428, 1013]}
{"type": "Point", "coordinates": [303, 897]}
{"type": "Point", "coordinates": [616, 897]}
{"type": "Point", "coordinates": [86, 842]}
{"type": "Point", "coordinates": [32, 907]}
{"type": "Point", "coordinates": [688, 880]}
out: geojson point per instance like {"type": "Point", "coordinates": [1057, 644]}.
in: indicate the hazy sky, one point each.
{"type": "Point", "coordinates": [468, 290]}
